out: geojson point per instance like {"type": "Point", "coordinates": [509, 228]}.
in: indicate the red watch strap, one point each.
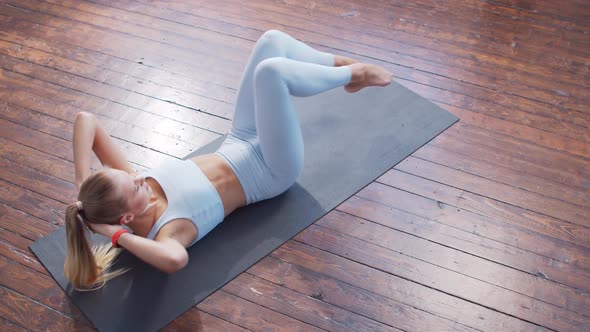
{"type": "Point", "coordinates": [115, 237]}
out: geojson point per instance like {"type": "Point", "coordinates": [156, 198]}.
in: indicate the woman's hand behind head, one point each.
{"type": "Point", "coordinates": [105, 229]}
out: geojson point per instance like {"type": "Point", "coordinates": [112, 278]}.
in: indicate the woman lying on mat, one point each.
{"type": "Point", "coordinates": [171, 207]}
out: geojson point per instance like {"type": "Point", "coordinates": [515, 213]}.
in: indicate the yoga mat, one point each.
{"type": "Point", "coordinates": [350, 140]}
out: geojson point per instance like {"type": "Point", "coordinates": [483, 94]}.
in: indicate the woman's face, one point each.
{"type": "Point", "coordinates": [132, 188]}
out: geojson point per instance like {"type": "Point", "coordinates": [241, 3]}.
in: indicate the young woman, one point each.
{"type": "Point", "coordinates": [171, 207]}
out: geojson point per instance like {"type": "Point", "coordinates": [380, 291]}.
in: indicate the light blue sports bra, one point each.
{"type": "Point", "coordinates": [190, 195]}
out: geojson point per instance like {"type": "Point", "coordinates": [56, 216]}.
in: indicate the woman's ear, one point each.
{"type": "Point", "coordinates": [126, 218]}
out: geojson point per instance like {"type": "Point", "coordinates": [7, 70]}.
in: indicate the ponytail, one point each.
{"type": "Point", "coordinates": [86, 267]}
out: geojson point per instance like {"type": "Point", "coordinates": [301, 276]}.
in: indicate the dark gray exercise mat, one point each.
{"type": "Point", "coordinates": [350, 140]}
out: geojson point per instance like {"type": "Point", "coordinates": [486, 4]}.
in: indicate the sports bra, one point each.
{"type": "Point", "coordinates": [190, 195]}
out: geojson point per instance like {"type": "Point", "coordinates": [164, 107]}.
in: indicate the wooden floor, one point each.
{"type": "Point", "coordinates": [485, 228]}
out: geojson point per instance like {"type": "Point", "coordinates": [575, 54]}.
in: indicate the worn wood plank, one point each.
{"type": "Point", "coordinates": [248, 314]}
{"type": "Point", "coordinates": [441, 203]}
{"type": "Point", "coordinates": [101, 85]}
{"type": "Point", "coordinates": [463, 263]}
{"type": "Point", "coordinates": [398, 289]}
{"type": "Point", "coordinates": [48, 98]}
{"type": "Point", "coordinates": [129, 135]}
{"type": "Point", "coordinates": [37, 160]}
{"type": "Point", "coordinates": [150, 79]}
{"type": "Point", "coordinates": [573, 166]}
{"type": "Point", "coordinates": [142, 51]}
{"type": "Point", "coordinates": [32, 203]}
{"type": "Point", "coordinates": [466, 13]}
{"type": "Point", "coordinates": [61, 148]}
{"type": "Point", "coordinates": [38, 287]}
{"type": "Point", "coordinates": [472, 289]}
{"type": "Point", "coordinates": [166, 32]}
{"type": "Point", "coordinates": [16, 248]}
{"type": "Point", "coordinates": [450, 234]}
{"type": "Point", "coordinates": [350, 297]}
{"type": "Point", "coordinates": [9, 326]}
{"type": "Point", "coordinates": [576, 12]}
{"type": "Point", "coordinates": [504, 193]}
{"type": "Point", "coordinates": [78, 86]}
{"type": "Point", "coordinates": [197, 320]}
{"type": "Point", "coordinates": [168, 142]}
{"type": "Point", "coordinates": [169, 14]}
{"type": "Point", "coordinates": [301, 306]}
{"type": "Point", "coordinates": [548, 118]}
{"type": "Point", "coordinates": [515, 177]}
{"type": "Point", "coordinates": [23, 311]}
{"type": "Point", "coordinates": [504, 155]}
{"type": "Point", "coordinates": [540, 18]}
{"type": "Point", "coordinates": [575, 146]}
{"type": "Point", "coordinates": [541, 223]}
{"type": "Point", "coordinates": [23, 224]}
{"type": "Point", "coordinates": [48, 186]}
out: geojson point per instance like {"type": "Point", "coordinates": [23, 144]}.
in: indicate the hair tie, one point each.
{"type": "Point", "coordinates": [79, 206]}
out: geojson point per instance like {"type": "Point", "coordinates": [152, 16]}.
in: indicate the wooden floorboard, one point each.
{"type": "Point", "coordinates": [486, 228]}
{"type": "Point", "coordinates": [479, 242]}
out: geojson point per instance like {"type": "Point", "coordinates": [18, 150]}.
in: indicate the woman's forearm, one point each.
{"type": "Point", "coordinates": [83, 140]}
{"type": "Point", "coordinates": [169, 256]}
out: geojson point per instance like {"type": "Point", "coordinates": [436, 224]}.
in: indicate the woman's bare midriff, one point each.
{"type": "Point", "coordinates": [223, 179]}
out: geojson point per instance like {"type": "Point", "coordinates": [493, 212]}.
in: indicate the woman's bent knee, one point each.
{"type": "Point", "coordinates": [269, 68]}
{"type": "Point", "coordinates": [271, 37]}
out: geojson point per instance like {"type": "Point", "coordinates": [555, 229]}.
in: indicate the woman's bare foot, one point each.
{"type": "Point", "coordinates": [340, 60]}
{"type": "Point", "coordinates": [366, 74]}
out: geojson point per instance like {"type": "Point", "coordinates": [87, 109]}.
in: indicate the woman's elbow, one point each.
{"type": "Point", "coordinates": [84, 122]}
{"type": "Point", "coordinates": [176, 262]}
{"type": "Point", "coordinates": [84, 116]}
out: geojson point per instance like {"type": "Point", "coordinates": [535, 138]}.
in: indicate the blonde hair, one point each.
{"type": "Point", "coordinates": [86, 267]}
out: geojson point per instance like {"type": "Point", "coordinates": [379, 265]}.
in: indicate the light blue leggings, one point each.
{"type": "Point", "coordinates": [264, 146]}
